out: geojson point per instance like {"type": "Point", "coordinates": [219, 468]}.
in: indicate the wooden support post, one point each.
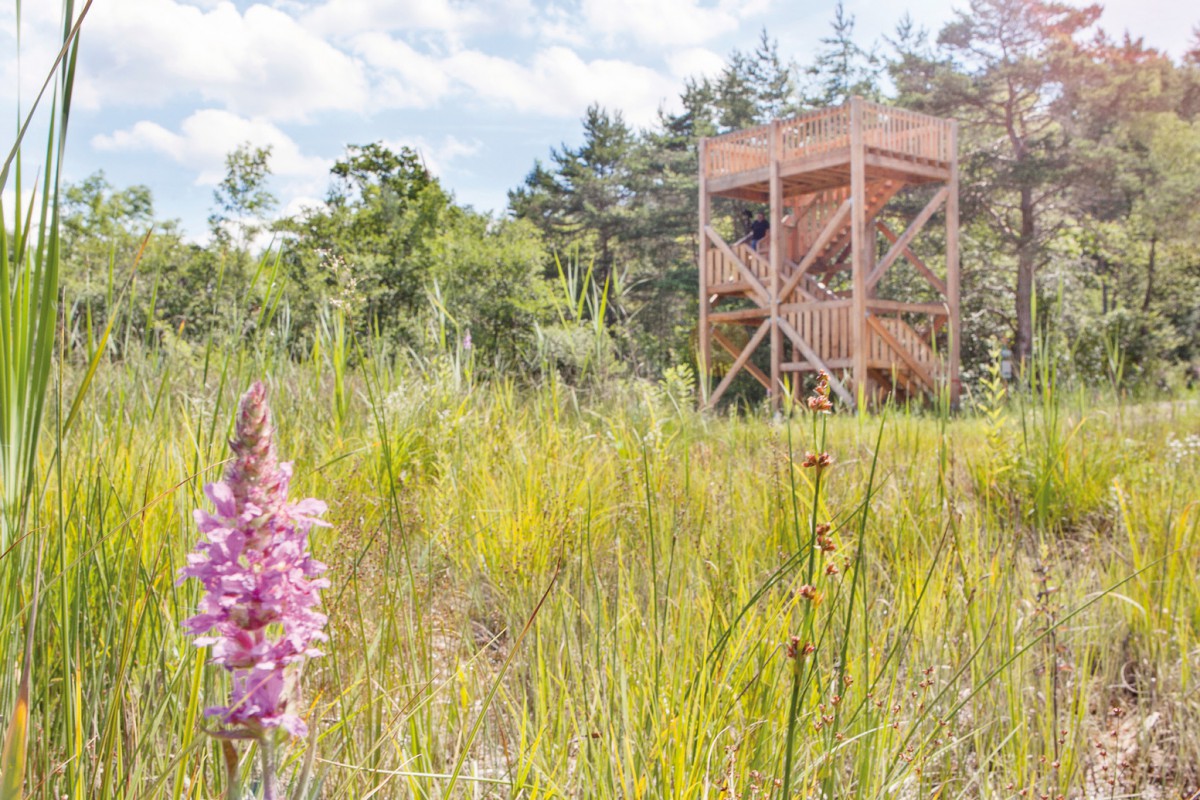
{"type": "Point", "coordinates": [705, 326]}
{"type": "Point", "coordinates": [858, 250]}
{"type": "Point", "coordinates": [870, 253]}
{"type": "Point", "coordinates": [952, 274]}
{"type": "Point", "coordinates": [776, 256]}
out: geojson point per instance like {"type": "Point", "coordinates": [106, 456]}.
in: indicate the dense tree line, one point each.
{"type": "Point", "coordinates": [1080, 157]}
{"type": "Point", "coordinates": [1081, 164]}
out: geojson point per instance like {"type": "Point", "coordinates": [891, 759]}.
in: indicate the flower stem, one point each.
{"type": "Point", "coordinates": [267, 750]}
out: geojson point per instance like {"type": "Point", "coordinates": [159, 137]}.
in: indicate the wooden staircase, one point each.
{"type": "Point", "coordinates": [806, 227]}
{"type": "Point", "coordinates": [835, 255]}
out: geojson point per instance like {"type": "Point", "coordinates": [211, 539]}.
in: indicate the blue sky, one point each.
{"type": "Point", "coordinates": [481, 89]}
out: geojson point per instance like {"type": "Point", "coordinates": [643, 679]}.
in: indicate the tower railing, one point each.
{"type": "Point", "coordinates": [899, 132]}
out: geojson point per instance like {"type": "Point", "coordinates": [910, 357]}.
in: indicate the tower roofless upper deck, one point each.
{"type": "Point", "coordinates": [814, 151]}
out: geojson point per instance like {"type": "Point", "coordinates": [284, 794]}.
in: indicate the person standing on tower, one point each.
{"type": "Point", "coordinates": [758, 229]}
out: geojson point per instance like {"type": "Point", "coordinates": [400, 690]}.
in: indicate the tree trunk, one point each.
{"type": "Point", "coordinates": [1025, 269]}
{"type": "Point", "coordinates": [1150, 274]}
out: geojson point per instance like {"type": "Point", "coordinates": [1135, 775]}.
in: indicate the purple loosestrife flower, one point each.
{"type": "Point", "coordinates": [261, 585]}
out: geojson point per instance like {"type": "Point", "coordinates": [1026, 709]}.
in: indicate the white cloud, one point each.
{"type": "Point", "coordinates": [261, 61]}
{"type": "Point", "coordinates": [560, 83]}
{"type": "Point", "coordinates": [437, 155]}
{"type": "Point", "coordinates": [556, 81]}
{"type": "Point", "coordinates": [41, 30]}
{"type": "Point", "coordinates": [204, 139]}
{"type": "Point", "coordinates": [403, 77]}
{"type": "Point", "coordinates": [453, 19]}
{"type": "Point", "coordinates": [299, 204]}
{"type": "Point", "coordinates": [694, 62]}
{"type": "Point", "coordinates": [668, 23]}
{"type": "Point", "coordinates": [343, 17]}
{"type": "Point", "coordinates": [561, 25]}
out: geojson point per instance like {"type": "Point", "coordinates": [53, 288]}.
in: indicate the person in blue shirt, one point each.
{"type": "Point", "coordinates": [758, 229]}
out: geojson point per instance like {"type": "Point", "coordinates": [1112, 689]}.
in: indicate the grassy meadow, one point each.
{"type": "Point", "coordinates": [543, 592]}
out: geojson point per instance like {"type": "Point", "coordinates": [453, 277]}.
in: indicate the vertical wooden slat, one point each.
{"type": "Point", "coordinates": [827, 321]}
{"type": "Point", "coordinates": [835, 334]}
{"type": "Point", "coordinates": [775, 265]}
{"type": "Point", "coordinates": [843, 332]}
{"type": "Point", "coordinates": [858, 194]}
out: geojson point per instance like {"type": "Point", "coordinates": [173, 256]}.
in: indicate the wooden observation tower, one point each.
{"type": "Point", "coordinates": [826, 176]}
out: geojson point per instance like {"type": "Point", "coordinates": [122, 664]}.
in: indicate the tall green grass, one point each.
{"type": "Point", "coordinates": [545, 591]}
{"type": "Point", "coordinates": [29, 270]}
{"type": "Point", "coordinates": [673, 546]}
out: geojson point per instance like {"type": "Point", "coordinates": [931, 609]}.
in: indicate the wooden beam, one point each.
{"type": "Point", "coordinates": [756, 286]}
{"type": "Point", "coordinates": [776, 261]}
{"type": "Point", "coordinates": [908, 358]}
{"type": "Point", "coordinates": [810, 354]}
{"type": "Point", "coordinates": [739, 362]}
{"type": "Point", "coordinates": [800, 308]}
{"type": "Point", "coordinates": [910, 233]}
{"type": "Point", "coordinates": [749, 193]}
{"type": "Point", "coordinates": [827, 160]}
{"type": "Point", "coordinates": [741, 315]}
{"type": "Point", "coordinates": [858, 244]}
{"type": "Point", "coordinates": [952, 274]}
{"type": "Point", "coordinates": [731, 348]}
{"type": "Point", "coordinates": [909, 171]}
{"type": "Point", "coordinates": [738, 180]}
{"type": "Point", "coordinates": [898, 306]}
{"type": "Point", "coordinates": [832, 227]}
{"type": "Point", "coordinates": [921, 267]}
{"type": "Point", "coordinates": [727, 289]}
{"type": "Point", "coordinates": [830, 364]}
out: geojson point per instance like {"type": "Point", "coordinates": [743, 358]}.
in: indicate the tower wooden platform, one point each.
{"type": "Point", "coordinates": [826, 177]}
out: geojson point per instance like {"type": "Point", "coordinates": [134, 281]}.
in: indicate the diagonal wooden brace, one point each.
{"type": "Point", "coordinates": [739, 362]}
{"type": "Point", "coordinates": [731, 348]}
{"type": "Point", "coordinates": [921, 267]}
{"type": "Point", "coordinates": [900, 350]}
{"type": "Point", "coordinates": [755, 284]}
{"type": "Point", "coordinates": [814, 359]}
{"type": "Point", "coordinates": [901, 244]}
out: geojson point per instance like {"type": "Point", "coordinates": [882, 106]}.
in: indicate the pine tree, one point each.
{"type": "Point", "coordinates": [843, 69]}
{"type": "Point", "coordinates": [1003, 79]}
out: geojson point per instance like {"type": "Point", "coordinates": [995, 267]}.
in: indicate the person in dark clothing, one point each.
{"type": "Point", "coordinates": [758, 229]}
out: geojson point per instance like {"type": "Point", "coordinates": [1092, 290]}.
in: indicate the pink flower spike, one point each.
{"type": "Point", "coordinates": [259, 608]}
